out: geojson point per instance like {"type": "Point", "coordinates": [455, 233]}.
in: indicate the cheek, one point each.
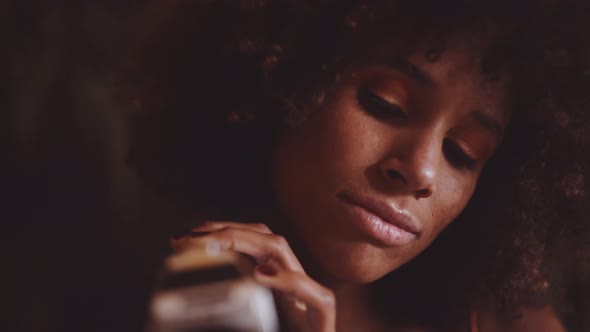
{"type": "Point", "coordinates": [334, 143]}
{"type": "Point", "coordinates": [329, 152]}
{"type": "Point", "coordinates": [451, 199]}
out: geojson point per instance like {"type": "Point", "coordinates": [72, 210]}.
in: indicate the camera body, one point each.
{"type": "Point", "coordinates": [210, 289]}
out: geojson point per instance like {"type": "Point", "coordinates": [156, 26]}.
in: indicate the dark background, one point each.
{"type": "Point", "coordinates": [82, 240]}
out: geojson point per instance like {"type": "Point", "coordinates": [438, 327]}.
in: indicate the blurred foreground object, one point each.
{"type": "Point", "coordinates": [210, 289]}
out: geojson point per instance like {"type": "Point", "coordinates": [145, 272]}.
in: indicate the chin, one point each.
{"type": "Point", "coordinates": [359, 263]}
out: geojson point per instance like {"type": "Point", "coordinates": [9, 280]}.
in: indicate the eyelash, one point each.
{"type": "Point", "coordinates": [384, 110]}
{"type": "Point", "coordinates": [379, 107]}
{"type": "Point", "coordinates": [457, 156]}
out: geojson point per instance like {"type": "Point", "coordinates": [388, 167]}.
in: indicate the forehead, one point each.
{"type": "Point", "coordinates": [457, 73]}
{"type": "Point", "coordinates": [456, 57]}
{"type": "Point", "coordinates": [460, 63]}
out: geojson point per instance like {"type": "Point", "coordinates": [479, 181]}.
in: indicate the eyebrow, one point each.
{"type": "Point", "coordinates": [411, 70]}
{"type": "Point", "coordinates": [489, 123]}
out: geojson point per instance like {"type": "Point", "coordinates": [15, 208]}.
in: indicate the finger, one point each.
{"type": "Point", "coordinates": [319, 301]}
{"type": "Point", "coordinates": [261, 246]}
{"type": "Point", "coordinates": [210, 226]}
{"type": "Point", "coordinates": [179, 242]}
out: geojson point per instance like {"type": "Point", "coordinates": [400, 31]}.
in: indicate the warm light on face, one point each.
{"type": "Point", "coordinates": [407, 140]}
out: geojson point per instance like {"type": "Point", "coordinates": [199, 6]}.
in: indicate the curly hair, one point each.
{"type": "Point", "coordinates": [215, 81]}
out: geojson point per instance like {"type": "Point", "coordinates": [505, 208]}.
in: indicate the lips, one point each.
{"type": "Point", "coordinates": [383, 221]}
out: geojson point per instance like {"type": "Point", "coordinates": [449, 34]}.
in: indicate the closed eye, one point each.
{"type": "Point", "coordinates": [457, 156]}
{"type": "Point", "coordinates": [379, 107]}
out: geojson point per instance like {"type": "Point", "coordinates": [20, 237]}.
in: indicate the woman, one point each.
{"type": "Point", "coordinates": [334, 142]}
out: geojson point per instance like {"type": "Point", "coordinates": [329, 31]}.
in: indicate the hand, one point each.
{"type": "Point", "coordinates": [307, 305]}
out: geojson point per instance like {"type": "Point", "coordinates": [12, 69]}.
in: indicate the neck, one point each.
{"type": "Point", "coordinates": [353, 308]}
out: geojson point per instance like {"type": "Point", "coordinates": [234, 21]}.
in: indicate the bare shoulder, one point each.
{"type": "Point", "coordinates": [530, 319]}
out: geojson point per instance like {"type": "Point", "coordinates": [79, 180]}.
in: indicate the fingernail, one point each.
{"type": "Point", "coordinates": [300, 305]}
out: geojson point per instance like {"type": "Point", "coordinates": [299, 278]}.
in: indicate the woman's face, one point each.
{"type": "Point", "coordinates": [391, 158]}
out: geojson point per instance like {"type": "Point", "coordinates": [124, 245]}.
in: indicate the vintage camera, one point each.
{"type": "Point", "coordinates": [205, 288]}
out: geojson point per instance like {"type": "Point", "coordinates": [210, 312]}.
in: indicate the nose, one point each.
{"type": "Point", "coordinates": [414, 166]}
